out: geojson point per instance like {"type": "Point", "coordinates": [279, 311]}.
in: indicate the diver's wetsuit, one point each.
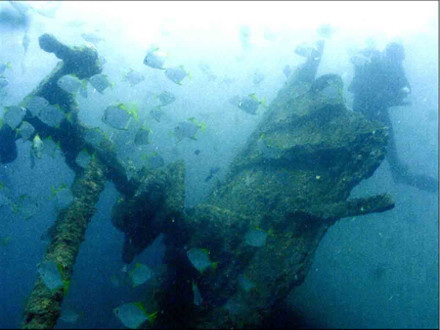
{"type": "Point", "coordinates": [377, 85]}
{"type": "Point", "coordinates": [8, 149]}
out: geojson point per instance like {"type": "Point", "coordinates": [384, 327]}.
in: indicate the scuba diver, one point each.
{"type": "Point", "coordinates": [378, 84]}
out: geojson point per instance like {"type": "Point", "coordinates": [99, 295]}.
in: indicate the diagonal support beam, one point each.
{"type": "Point", "coordinates": [44, 305]}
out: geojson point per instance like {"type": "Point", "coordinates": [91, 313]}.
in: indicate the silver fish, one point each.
{"type": "Point", "coordinates": [100, 82]}
{"type": "Point", "coordinates": [155, 59]}
{"type": "Point", "coordinates": [3, 82]}
{"type": "Point", "coordinates": [287, 71]}
{"type": "Point", "coordinates": [166, 98]}
{"type": "Point", "coordinates": [116, 117]}
{"type": "Point", "coordinates": [176, 74]}
{"type": "Point", "coordinates": [134, 77]}
{"type": "Point", "coordinates": [4, 66]}
{"type": "Point", "coordinates": [92, 38]}
{"type": "Point", "coordinates": [326, 31]}
{"type": "Point", "coordinates": [69, 83]}
{"type": "Point", "coordinates": [185, 130]}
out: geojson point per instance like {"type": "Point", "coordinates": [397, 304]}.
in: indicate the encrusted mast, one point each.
{"type": "Point", "coordinates": [288, 185]}
{"type": "Point", "coordinates": [43, 307]}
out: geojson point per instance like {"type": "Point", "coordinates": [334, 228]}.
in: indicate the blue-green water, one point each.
{"type": "Point", "coordinates": [378, 270]}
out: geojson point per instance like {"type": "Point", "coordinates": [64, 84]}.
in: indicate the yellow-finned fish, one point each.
{"type": "Point", "coordinates": [36, 149]}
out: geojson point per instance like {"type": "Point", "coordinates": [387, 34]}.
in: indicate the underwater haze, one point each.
{"type": "Point", "coordinates": [191, 81]}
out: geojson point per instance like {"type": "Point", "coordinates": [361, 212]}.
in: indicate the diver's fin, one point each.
{"type": "Point", "coordinates": [423, 182]}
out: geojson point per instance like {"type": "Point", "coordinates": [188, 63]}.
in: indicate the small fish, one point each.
{"type": "Point", "coordinates": [142, 136]}
{"type": "Point", "coordinates": [187, 129]}
{"type": "Point", "coordinates": [267, 150]}
{"type": "Point", "coordinates": [197, 297]}
{"type": "Point", "coordinates": [287, 71]}
{"type": "Point", "coordinates": [4, 200]}
{"type": "Point", "coordinates": [206, 69]}
{"type": "Point", "coordinates": [94, 136]}
{"type": "Point", "coordinates": [50, 147]}
{"type": "Point", "coordinates": [21, 7]}
{"type": "Point", "coordinates": [100, 82]}
{"type": "Point", "coordinates": [28, 206]}
{"type": "Point", "coordinates": [4, 66]}
{"type": "Point", "coordinates": [245, 35]}
{"type": "Point", "coordinates": [332, 92]}
{"type": "Point", "coordinates": [25, 130]}
{"type": "Point", "coordinates": [258, 77]}
{"type": "Point", "coordinates": [14, 19]}
{"type": "Point", "coordinates": [122, 278]}
{"type": "Point", "coordinates": [404, 90]}
{"type": "Point", "coordinates": [69, 83]}
{"type": "Point", "coordinates": [370, 42]}
{"type": "Point", "coordinates": [117, 117]}
{"type": "Point", "coordinates": [326, 31]}
{"type": "Point", "coordinates": [235, 306]}
{"type": "Point", "coordinates": [235, 100]}
{"type": "Point", "coordinates": [140, 274]}
{"type": "Point", "coordinates": [102, 60]}
{"type": "Point", "coordinates": [176, 74]}
{"type": "Point", "coordinates": [14, 116]}
{"type": "Point", "coordinates": [36, 104]}
{"type": "Point", "coordinates": [212, 171]}
{"type": "Point", "coordinates": [69, 316]}
{"type": "Point", "coordinates": [155, 59]}
{"type": "Point", "coordinates": [83, 91]}
{"type": "Point", "coordinates": [250, 104]}
{"type": "Point", "coordinates": [166, 98]}
{"type": "Point", "coordinates": [132, 315]}
{"type": "Point", "coordinates": [52, 115]}
{"type": "Point", "coordinates": [5, 241]}
{"type": "Point", "coordinates": [48, 9]}
{"type": "Point", "coordinates": [197, 152]}
{"type": "Point", "coordinates": [199, 259]}
{"type": "Point", "coordinates": [306, 50]}
{"type": "Point", "coordinates": [50, 274]}
{"type": "Point", "coordinates": [133, 77]}
{"type": "Point", "coordinates": [157, 113]}
{"type": "Point", "coordinates": [92, 37]}
{"type": "Point", "coordinates": [115, 281]}
{"type": "Point", "coordinates": [269, 35]}
{"type": "Point", "coordinates": [154, 160]}
{"type": "Point", "coordinates": [245, 283]}
{"type": "Point", "coordinates": [75, 23]}
{"type": "Point", "coordinates": [83, 159]}
{"type": "Point", "coordinates": [3, 82]}
{"type": "Point", "coordinates": [25, 42]}
{"type": "Point", "coordinates": [64, 196]}
{"type": "Point", "coordinates": [227, 80]}
{"type": "Point", "coordinates": [360, 60]}
{"type": "Point", "coordinates": [49, 234]}
{"type": "Point", "coordinates": [36, 149]}
{"type": "Point", "coordinates": [255, 237]}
